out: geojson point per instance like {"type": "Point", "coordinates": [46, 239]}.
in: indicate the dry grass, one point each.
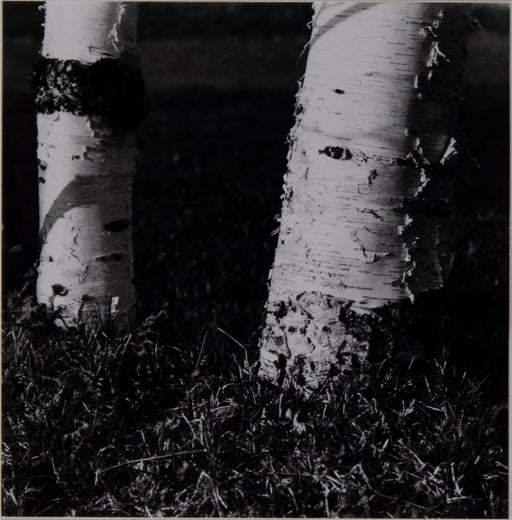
{"type": "Point", "coordinates": [95, 425]}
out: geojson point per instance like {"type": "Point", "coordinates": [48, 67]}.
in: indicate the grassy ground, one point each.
{"type": "Point", "coordinates": [135, 426]}
{"type": "Point", "coordinates": [172, 420]}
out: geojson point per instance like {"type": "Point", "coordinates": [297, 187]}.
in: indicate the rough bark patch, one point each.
{"type": "Point", "coordinates": [107, 87]}
{"type": "Point", "coordinates": [314, 338]}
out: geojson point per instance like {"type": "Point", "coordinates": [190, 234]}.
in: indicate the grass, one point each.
{"type": "Point", "coordinates": [132, 426]}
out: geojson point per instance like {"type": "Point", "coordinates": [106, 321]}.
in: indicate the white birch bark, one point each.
{"type": "Point", "coordinates": [368, 187]}
{"type": "Point", "coordinates": [85, 172]}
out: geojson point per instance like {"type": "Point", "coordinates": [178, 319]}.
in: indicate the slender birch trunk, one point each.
{"type": "Point", "coordinates": [89, 100]}
{"type": "Point", "coordinates": [367, 196]}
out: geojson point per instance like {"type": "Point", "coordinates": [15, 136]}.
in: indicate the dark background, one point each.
{"type": "Point", "coordinates": [221, 81]}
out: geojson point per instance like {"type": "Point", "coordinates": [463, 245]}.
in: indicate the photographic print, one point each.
{"type": "Point", "coordinates": [255, 259]}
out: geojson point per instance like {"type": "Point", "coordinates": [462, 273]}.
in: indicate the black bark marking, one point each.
{"type": "Point", "coordinates": [339, 91]}
{"type": "Point", "coordinates": [59, 290]}
{"type": "Point", "coordinates": [281, 368]}
{"type": "Point", "coordinates": [373, 175]}
{"type": "Point", "coordinates": [281, 311]}
{"type": "Point", "coordinates": [42, 180]}
{"type": "Point", "coordinates": [117, 225]}
{"type": "Point", "coordinates": [299, 364]}
{"type": "Point", "coordinates": [288, 195]}
{"type": "Point", "coordinates": [371, 211]}
{"type": "Point", "coordinates": [337, 152]}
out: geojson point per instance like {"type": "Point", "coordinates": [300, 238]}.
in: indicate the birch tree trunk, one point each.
{"type": "Point", "coordinates": [89, 97]}
{"type": "Point", "coordinates": [367, 196]}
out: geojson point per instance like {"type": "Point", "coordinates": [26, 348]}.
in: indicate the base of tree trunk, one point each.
{"type": "Point", "coordinates": [85, 189]}
{"type": "Point", "coordinates": [314, 338]}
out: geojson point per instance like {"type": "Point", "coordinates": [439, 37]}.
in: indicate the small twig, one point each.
{"type": "Point", "coordinates": [149, 459]}
{"type": "Point", "coordinates": [231, 337]}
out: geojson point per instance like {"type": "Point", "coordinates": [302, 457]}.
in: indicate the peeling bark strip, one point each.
{"type": "Point", "coordinates": [106, 87]}
{"type": "Point", "coordinates": [89, 98]}
{"type": "Point", "coordinates": [369, 230]}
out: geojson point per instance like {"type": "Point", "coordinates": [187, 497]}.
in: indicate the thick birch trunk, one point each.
{"type": "Point", "coordinates": [367, 195]}
{"type": "Point", "coordinates": [89, 97]}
